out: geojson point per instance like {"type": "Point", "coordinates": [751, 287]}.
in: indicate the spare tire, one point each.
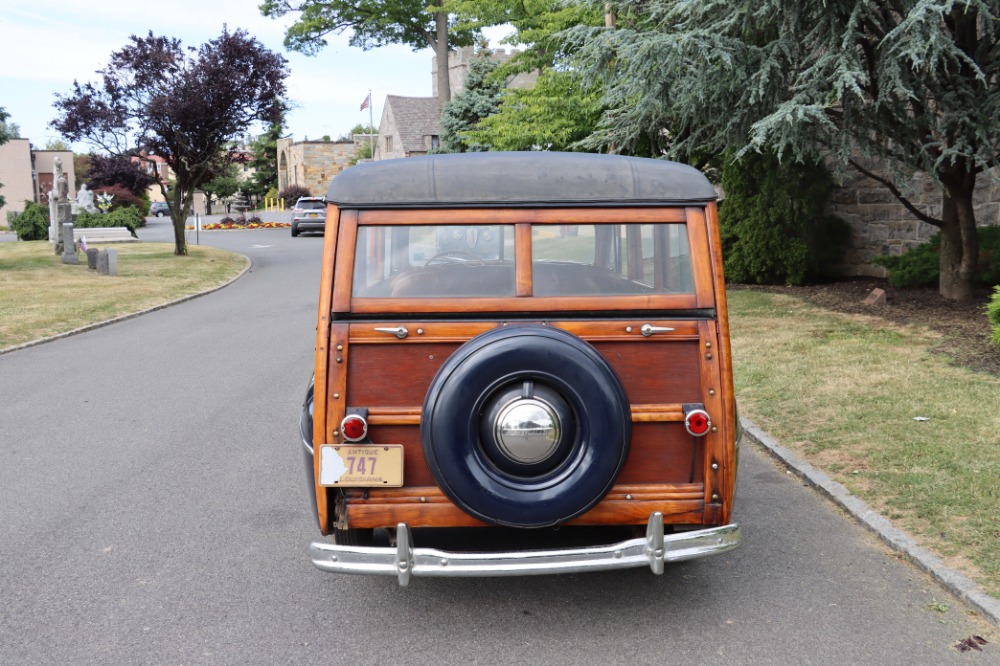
{"type": "Point", "coordinates": [525, 426]}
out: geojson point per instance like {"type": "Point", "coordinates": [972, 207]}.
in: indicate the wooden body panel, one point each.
{"type": "Point", "coordinates": [690, 480]}
{"type": "Point", "coordinates": [626, 504]}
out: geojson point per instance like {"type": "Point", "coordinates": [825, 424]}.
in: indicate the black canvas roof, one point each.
{"type": "Point", "coordinates": [518, 179]}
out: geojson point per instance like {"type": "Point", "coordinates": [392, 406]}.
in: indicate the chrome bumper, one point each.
{"type": "Point", "coordinates": [405, 561]}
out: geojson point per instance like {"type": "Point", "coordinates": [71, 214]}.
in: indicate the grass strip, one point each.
{"type": "Point", "coordinates": [40, 296]}
{"type": "Point", "coordinates": [870, 404]}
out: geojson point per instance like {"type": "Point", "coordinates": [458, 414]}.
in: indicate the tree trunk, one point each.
{"type": "Point", "coordinates": [959, 242]}
{"type": "Point", "coordinates": [180, 208]}
{"type": "Point", "coordinates": [180, 244]}
{"type": "Point", "coordinates": [441, 52]}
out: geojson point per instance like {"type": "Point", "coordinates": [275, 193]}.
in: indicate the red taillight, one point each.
{"type": "Point", "coordinates": [354, 428]}
{"type": "Point", "coordinates": [698, 422]}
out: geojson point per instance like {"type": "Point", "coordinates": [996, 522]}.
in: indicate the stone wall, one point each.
{"type": "Point", "coordinates": [881, 225]}
{"type": "Point", "coordinates": [312, 164]}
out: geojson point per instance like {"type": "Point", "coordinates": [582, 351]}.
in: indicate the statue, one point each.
{"type": "Point", "coordinates": [59, 209]}
{"type": "Point", "coordinates": [85, 200]}
{"type": "Point", "coordinates": [62, 187]}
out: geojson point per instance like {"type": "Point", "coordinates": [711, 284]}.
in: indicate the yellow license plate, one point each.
{"type": "Point", "coordinates": [361, 465]}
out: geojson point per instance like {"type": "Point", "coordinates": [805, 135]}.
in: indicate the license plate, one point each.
{"type": "Point", "coordinates": [361, 465]}
{"type": "Point", "coordinates": [312, 215]}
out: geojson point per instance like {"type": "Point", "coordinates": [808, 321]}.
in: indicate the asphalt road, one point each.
{"type": "Point", "coordinates": [153, 511]}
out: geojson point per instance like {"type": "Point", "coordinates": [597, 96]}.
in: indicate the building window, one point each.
{"type": "Point", "coordinates": [388, 144]}
{"type": "Point", "coordinates": [435, 141]}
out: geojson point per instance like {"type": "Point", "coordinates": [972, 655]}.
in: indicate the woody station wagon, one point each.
{"type": "Point", "coordinates": [514, 343]}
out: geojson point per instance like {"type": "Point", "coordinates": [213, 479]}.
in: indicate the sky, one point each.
{"type": "Point", "coordinates": [46, 44]}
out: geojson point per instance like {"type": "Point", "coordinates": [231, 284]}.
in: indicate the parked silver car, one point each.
{"type": "Point", "coordinates": [309, 214]}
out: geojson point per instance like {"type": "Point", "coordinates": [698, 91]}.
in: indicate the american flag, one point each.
{"type": "Point", "coordinates": [368, 100]}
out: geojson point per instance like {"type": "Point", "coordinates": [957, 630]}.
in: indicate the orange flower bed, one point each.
{"type": "Point", "coordinates": [248, 225]}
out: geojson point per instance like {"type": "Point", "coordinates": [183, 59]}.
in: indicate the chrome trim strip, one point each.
{"type": "Point", "coordinates": [404, 561]}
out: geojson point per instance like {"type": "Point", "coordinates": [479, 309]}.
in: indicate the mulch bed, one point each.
{"type": "Point", "coordinates": [963, 325]}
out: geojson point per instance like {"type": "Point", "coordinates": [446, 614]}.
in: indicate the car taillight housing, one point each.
{"type": "Point", "coordinates": [698, 422]}
{"type": "Point", "coordinates": [354, 428]}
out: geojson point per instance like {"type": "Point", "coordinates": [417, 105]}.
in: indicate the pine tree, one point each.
{"type": "Point", "coordinates": [911, 82]}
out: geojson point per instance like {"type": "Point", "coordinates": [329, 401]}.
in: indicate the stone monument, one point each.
{"type": "Point", "coordinates": [84, 200]}
{"type": "Point", "coordinates": [63, 214]}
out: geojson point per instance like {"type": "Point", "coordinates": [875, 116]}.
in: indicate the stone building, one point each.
{"type": "Point", "coordinates": [409, 126]}
{"type": "Point", "coordinates": [458, 68]}
{"type": "Point", "coordinates": [312, 164]}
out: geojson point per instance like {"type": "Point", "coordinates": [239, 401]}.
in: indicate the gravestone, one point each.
{"type": "Point", "coordinates": [69, 246]}
{"type": "Point", "coordinates": [92, 258]}
{"type": "Point", "coordinates": [107, 262]}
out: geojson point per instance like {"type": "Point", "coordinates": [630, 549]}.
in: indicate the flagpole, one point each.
{"type": "Point", "coordinates": [371, 126]}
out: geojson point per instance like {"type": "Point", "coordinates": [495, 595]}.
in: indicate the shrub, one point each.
{"type": "Point", "coordinates": [993, 315]}
{"type": "Point", "coordinates": [33, 223]}
{"type": "Point", "coordinates": [129, 218]}
{"type": "Point", "coordinates": [123, 198]}
{"type": "Point", "coordinates": [292, 193]}
{"type": "Point", "coordinates": [773, 225]}
{"type": "Point", "coordinates": [920, 266]}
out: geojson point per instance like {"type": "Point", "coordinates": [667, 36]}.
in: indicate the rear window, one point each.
{"type": "Point", "coordinates": [463, 261]}
{"type": "Point", "coordinates": [310, 205]}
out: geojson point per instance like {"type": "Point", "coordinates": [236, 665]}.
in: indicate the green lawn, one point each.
{"type": "Point", "coordinates": [867, 402]}
{"type": "Point", "coordinates": [41, 296]}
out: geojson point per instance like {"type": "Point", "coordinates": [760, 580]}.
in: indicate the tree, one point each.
{"type": "Point", "coordinates": [104, 171]}
{"type": "Point", "coordinates": [773, 222]}
{"type": "Point", "coordinates": [264, 160]}
{"type": "Point", "coordinates": [359, 128]}
{"type": "Point", "coordinates": [363, 151]}
{"type": "Point", "coordinates": [225, 185]}
{"type": "Point", "coordinates": [479, 99]}
{"type": "Point", "coordinates": [8, 131]}
{"type": "Point", "coordinates": [5, 135]}
{"type": "Point", "coordinates": [555, 114]}
{"type": "Point", "coordinates": [81, 165]}
{"type": "Point", "coordinates": [559, 109]}
{"type": "Point", "coordinates": [911, 82]}
{"type": "Point", "coordinates": [374, 23]}
{"type": "Point", "coordinates": [184, 105]}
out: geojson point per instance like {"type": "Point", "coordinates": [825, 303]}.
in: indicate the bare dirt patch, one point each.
{"type": "Point", "coordinates": [963, 326]}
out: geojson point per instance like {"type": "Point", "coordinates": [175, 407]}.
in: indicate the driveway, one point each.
{"type": "Point", "coordinates": [153, 511]}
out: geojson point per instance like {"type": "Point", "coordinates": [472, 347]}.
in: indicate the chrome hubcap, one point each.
{"type": "Point", "coordinates": [527, 430]}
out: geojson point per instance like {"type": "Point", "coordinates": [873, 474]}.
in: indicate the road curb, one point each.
{"type": "Point", "coordinates": [953, 581]}
{"type": "Point", "coordinates": [124, 317]}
